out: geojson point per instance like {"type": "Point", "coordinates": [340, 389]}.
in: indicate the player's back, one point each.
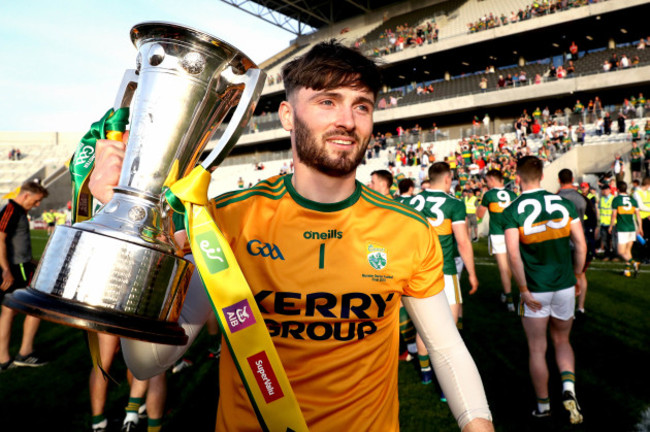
{"type": "Point", "coordinates": [442, 211]}
{"type": "Point", "coordinates": [544, 223]}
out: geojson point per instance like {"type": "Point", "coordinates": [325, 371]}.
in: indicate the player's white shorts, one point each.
{"type": "Point", "coordinates": [626, 237]}
{"type": "Point", "coordinates": [452, 290]}
{"type": "Point", "coordinates": [558, 304]}
{"type": "Point", "coordinates": [497, 244]}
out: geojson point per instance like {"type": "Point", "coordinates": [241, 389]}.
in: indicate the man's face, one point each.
{"type": "Point", "coordinates": [31, 200]}
{"type": "Point", "coordinates": [331, 128]}
{"type": "Point", "coordinates": [378, 184]}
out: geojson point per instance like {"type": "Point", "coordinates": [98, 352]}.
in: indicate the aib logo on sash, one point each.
{"type": "Point", "coordinates": [239, 316]}
{"type": "Point", "coordinates": [215, 260]}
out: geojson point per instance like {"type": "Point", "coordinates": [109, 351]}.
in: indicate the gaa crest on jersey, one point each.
{"type": "Point", "coordinates": [377, 256]}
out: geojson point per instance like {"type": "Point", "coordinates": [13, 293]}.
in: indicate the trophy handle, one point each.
{"type": "Point", "coordinates": [253, 81]}
{"type": "Point", "coordinates": [126, 90]}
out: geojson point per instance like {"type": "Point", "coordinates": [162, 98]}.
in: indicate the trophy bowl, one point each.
{"type": "Point", "coordinates": [121, 272]}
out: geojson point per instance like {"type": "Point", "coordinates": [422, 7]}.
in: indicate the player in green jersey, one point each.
{"type": "Point", "coordinates": [495, 201]}
{"type": "Point", "coordinates": [625, 213]}
{"type": "Point", "coordinates": [447, 215]}
{"type": "Point", "coordinates": [538, 226]}
{"type": "Point", "coordinates": [406, 189]}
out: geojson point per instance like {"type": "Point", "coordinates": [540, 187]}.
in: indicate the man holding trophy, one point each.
{"type": "Point", "coordinates": [327, 278]}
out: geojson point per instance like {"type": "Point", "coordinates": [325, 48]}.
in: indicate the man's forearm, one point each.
{"type": "Point", "coordinates": [454, 366]}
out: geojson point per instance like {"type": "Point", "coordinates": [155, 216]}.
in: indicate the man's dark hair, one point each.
{"type": "Point", "coordinates": [35, 187]}
{"type": "Point", "coordinates": [565, 176]}
{"type": "Point", "coordinates": [384, 175]}
{"type": "Point", "coordinates": [646, 181]}
{"type": "Point", "coordinates": [330, 65]}
{"type": "Point", "coordinates": [404, 185]}
{"type": "Point", "coordinates": [495, 174]}
{"type": "Point", "coordinates": [438, 170]}
{"type": "Point", "coordinates": [621, 186]}
{"type": "Point", "coordinates": [530, 168]}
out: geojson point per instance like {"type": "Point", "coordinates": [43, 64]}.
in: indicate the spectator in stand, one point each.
{"type": "Point", "coordinates": [570, 69]}
{"type": "Point", "coordinates": [620, 120]}
{"type": "Point", "coordinates": [501, 82]}
{"type": "Point", "coordinates": [580, 134]}
{"type": "Point", "coordinates": [636, 158]}
{"type": "Point", "coordinates": [613, 62]}
{"type": "Point", "coordinates": [538, 79]}
{"type": "Point", "coordinates": [561, 72]}
{"type": "Point", "coordinates": [552, 72]}
{"type": "Point", "coordinates": [393, 101]}
{"type": "Point", "coordinates": [573, 51]}
{"type": "Point", "coordinates": [382, 103]}
{"type": "Point", "coordinates": [618, 168]}
{"type": "Point", "coordinates": [607, 124]}
{"type": "Point", "coordinates": [607, 66]}
{"type": "Point", "coordinates": [483, 84]}
{"type": "Point", "coordinates": [509, 81]}
{"type": "Point", "coordinates": [641, 44]}
{"type": "Point", "coordinates": [522, 77]}
{"type": "Point", "coordinates": [598, 106]}
{"type": "Point", "coordinates": [624, 62]}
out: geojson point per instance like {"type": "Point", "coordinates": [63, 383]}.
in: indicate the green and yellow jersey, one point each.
{"type": "Point", "coordinates": [625, 207]}
{"type": "Point", "coordinates": [328, 279]}
{"type": "Point", "coordinates": [442, 210]}
{"type": "Point", "coordinates": [544, 224]}
{"type": "Point", "coordinates": [496, 200]}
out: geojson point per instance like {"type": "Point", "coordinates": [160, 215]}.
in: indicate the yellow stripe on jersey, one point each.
{"type": "Point", "coordinates": [380, 200]}
{"type": "Point", "coordinates": [273, 190]}
{"type": "Point", "coordinates": [444, 228]}
{"type": "Point", "coordinates": [625, 211]}
{"type": "Point", "coordinates": [495, 207]}
{"type": "Point", "coordinates": [547, 234]}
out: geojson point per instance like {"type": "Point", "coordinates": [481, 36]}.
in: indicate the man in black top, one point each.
{"type": "Point", "coordinates": [17, 269]}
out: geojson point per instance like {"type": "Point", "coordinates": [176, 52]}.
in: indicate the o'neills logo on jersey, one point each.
{"type": "Point", "coordinates": [239, 316]}
{"type": "Point", "coordinates": [265, 377]}
{"type": "Point", "coordinates": [377, 256]}
{"type": "Point", "coordinates": [330, 234]}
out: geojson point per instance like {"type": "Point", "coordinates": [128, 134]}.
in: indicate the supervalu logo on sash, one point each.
{"type": "Point", "coordinates": [377, 256]}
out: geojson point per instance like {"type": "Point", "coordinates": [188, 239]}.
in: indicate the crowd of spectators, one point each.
{"type": "Point", "coordinates": [403, 37]}
{"type": "Point", "coordinates": [535, 9]}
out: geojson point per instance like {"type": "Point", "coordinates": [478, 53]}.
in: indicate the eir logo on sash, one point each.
{"type": "Point", "coordinates": [265, 377]}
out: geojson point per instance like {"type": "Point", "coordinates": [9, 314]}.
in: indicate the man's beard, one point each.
{"type": "Point", "coordinates": [315, 154]}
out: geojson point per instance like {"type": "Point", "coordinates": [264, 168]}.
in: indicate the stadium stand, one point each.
{"type": "Point", "coordinates": [454, 66]}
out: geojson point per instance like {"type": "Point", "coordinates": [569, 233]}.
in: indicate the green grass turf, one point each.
{"type": "Point", "coordinates": [612, 355]}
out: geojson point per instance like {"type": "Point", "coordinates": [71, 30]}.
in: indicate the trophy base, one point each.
{"type": "Point", "coordinates": [86, 317]}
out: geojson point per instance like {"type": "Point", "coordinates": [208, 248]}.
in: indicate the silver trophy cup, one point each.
{"type": "Point", "coordinates": [121, 272]}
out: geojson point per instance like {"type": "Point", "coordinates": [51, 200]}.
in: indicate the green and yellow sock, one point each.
{"type": "Point", "coordinates": [99, 421]}
{"type": "Point", "coordinates": [425, 363]}
{"type": "Point", "coordinates": [543, 404]}
{"type": "Point", "coordinates": [568, 381]}
{"type": "Point", "coordinates": [132, 409]}
{"type": "Point", "coordinates": [154, 425]}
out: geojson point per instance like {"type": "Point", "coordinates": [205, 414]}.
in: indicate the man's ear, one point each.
{"type": "Point", "coordinates": [286, 115]}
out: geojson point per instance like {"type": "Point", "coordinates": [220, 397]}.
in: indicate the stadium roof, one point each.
{"type": "Point", "coordinates": [301, 16]}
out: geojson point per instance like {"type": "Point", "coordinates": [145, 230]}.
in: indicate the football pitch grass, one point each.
{"type": "Point", "coordinates": [611, 345]}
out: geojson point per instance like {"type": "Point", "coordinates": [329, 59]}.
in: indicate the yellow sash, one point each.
{"type": "Point", "coordinates": [239, 317]}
